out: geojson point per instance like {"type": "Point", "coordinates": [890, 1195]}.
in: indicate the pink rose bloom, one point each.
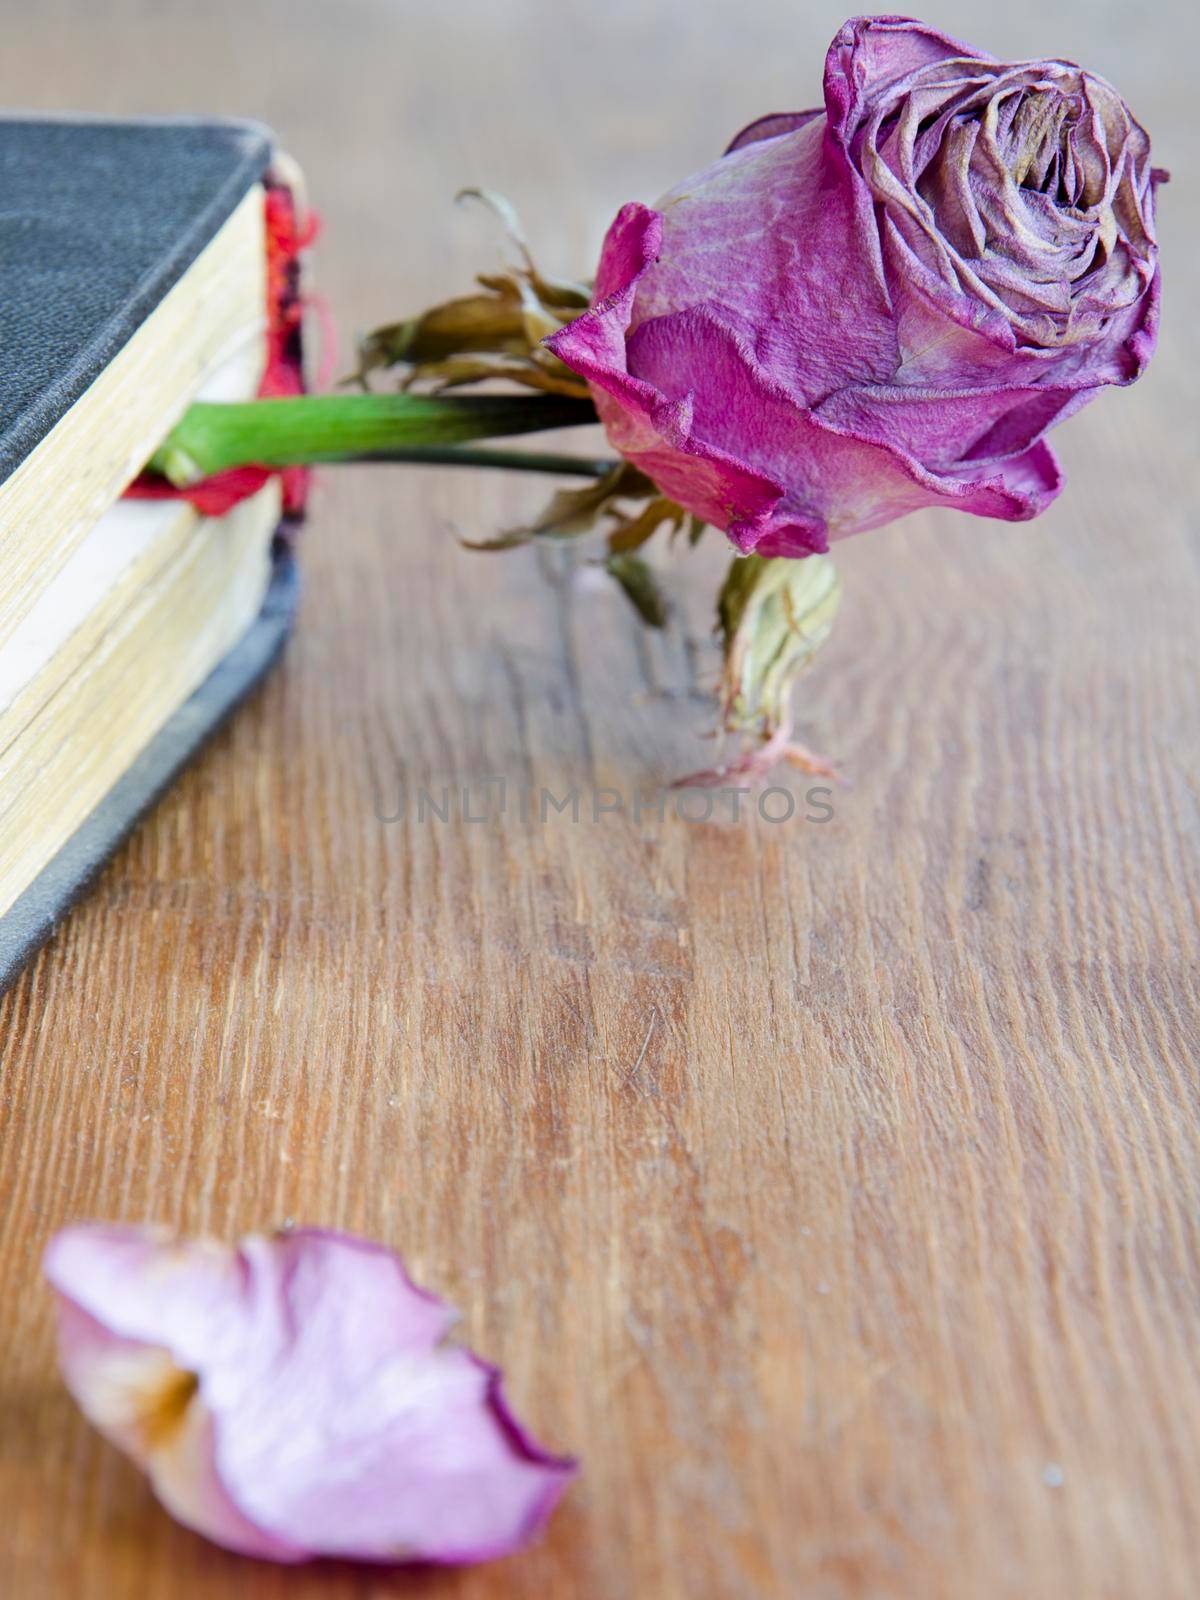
{"type": "Point", "coordinates": [882, 304]}
{"type": "Point", "coordinates": [292, 1397]}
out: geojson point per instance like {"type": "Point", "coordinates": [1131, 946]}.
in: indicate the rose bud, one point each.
{"type": "Point", "coordinates": [292, 1397]}
{"type": "Point", "coordinates": [883, 304]}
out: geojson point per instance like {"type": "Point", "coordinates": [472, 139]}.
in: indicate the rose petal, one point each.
{"type": "Point", "coordinates": [884, 306]}
{"type": "Point", "coordinates": [647, 428]}
{"type": "Point", "coordinates": [291, 1397]}
{"type": "Point", "coordinates": [771, 126]}
{"type": "Point", "coordinates": [843, 475]}
{"type": "Point", "coordinates": [867, 51]}
{"type": "Point", "coordinates": [148, 1406]}
{"type": "Point", "coordinates": [945, 428]}
{"type": "Point", "coordinates": [780, 240]}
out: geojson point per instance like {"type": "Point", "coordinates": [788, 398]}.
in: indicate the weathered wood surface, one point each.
{"type": "Point", "coordinates": [831, 1188]}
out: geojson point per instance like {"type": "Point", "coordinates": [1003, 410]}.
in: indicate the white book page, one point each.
{"type": "Point", "coordinates": [123, 536]}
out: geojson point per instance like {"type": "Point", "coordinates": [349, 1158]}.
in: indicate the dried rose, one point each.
{"type": "Point", "coordinates": [292, 1398]}
{"type": "Point", "coordinates": [883, 304]}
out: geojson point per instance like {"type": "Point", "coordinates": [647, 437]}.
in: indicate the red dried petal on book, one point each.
{"type": "Point", "coordinates": [212, 497]}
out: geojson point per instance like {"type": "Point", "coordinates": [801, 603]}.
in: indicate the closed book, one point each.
{"type": "Point", "coordinates": [139, 270]}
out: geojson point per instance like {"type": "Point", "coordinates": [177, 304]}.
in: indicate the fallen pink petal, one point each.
{"type": "Point", "coordinates": [292, 1397]}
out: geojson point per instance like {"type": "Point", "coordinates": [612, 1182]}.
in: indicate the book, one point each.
{"type": "Point", "coordinates": [139, 271]}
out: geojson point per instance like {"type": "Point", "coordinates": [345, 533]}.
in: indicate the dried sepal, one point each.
{"type": "Point", "coordinates": [495, 332]}
{"type": "Point", "coordinates": [640, 586]}
{"type": "Point", "coordinates": [470, 322]}
{"type": "Point", "coordinates": [563, 293]}
{"type": "Point", "coordinates": [571, 513]}
{"type": "Point", "coordinates": [456, 371]}
{"type": "Point", "coordinates": [631, 533]}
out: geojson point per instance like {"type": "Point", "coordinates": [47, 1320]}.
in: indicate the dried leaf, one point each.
{"type": "Point", "coordinates": [512, 540]}
{"type": "Point", "coordinates": [632, 532]}
{"type": "Point", "coordinates": [572, 512]}
{"type": "Point", "coordinates": [508, 317]}
{"type": "Point", "coordinates": [484, 322]}
{"type": "Point", "coordinates": [554, 291]}
{"type": "Point", "coordinates": [456, 371]}
{"type": "Point", "coordinates": [641, 588]}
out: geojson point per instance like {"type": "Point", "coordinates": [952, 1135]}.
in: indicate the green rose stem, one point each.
{"type": "Point", "coordinates": [212, 438]}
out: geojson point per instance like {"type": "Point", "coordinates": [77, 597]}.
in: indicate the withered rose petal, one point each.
{"type": "Point", "coordinates": [292, 1397]}
{"type": "Point", "coordinates": [884, 303]}
{"type": "Point", "coordinates": [137, 1396]}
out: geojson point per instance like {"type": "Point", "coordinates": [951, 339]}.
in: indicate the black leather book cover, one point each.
{"type": "Point", "coordinates": [98, 220]}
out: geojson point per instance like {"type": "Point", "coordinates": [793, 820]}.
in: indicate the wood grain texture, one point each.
{"type": "Point", "coordinates": [832, 1189]}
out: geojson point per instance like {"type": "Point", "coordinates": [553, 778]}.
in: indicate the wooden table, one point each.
{"type": "Point", "coordinates": [831, 1189]}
